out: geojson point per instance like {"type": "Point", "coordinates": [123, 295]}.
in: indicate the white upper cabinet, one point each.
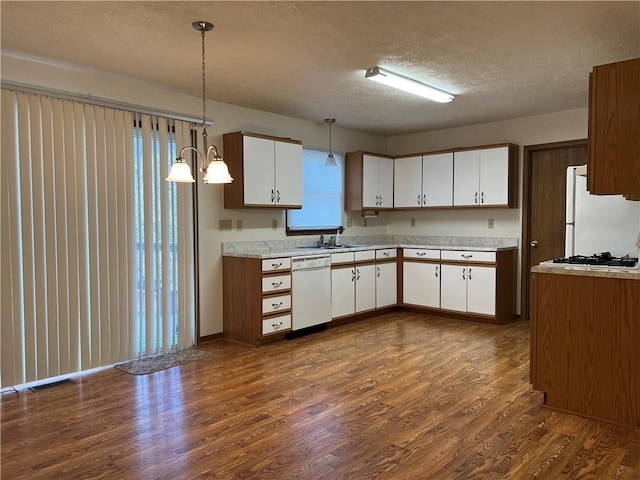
{"type": "Point", "coordinates": [423, 181]}
{"type": "Point", "coordinates": [486, 177]}
{"type": "Point", "coordinates": [377, 182]}
{"type": "Point", "coordinates": [266, 171]}
{"type": "Point", "coordinates": [407, 182]}
{"type": "Point", "coordinates": [368, 182]}
{"type": "Point", "coordinates": [437, 180]}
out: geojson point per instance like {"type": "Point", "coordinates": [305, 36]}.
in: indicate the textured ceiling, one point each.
{"type": "Point", "coordinates": [307, 60]}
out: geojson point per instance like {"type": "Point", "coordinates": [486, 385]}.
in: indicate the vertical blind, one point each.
{"type": "Point", "coordinates": [97, 249]}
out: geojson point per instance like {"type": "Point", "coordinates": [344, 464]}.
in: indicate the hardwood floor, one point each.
{"type": "Point", "coordinates": [400, 396]}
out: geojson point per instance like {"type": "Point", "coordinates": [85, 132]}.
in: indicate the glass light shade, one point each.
{"type": "Point", "coordinates": [385, 77]}
{"type": "Point", "coordinates": [331, 161]}
{"type": "Point", "coordinates": [217, 172]}
{"type": "Point", "coordinates": [180, 172]}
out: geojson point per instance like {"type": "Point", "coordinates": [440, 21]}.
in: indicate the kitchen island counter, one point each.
{"type": "Point", "coordinates": [585, 338]}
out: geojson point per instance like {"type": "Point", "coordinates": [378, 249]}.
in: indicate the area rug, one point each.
{"type": "Point", "coordinates": [146, 365]}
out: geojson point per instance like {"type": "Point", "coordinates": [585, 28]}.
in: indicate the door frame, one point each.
{"type": "Point", "coordinates": [525, 235]}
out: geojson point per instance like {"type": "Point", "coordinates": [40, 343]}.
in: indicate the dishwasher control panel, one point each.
{"type": "Point", "coordinates": [311, 261]}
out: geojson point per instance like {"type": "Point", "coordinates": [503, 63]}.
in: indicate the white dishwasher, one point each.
{"type": "Point", "coordinates": [310, 292]}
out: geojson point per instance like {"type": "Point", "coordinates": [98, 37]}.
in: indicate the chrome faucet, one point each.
{"type": "Point", "coordinates": [321, 241]}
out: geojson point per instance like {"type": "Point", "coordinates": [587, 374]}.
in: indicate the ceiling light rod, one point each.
{"type": "Point", "coordinates": [331, 160]}
{"type": "Point", "coordinates": [391, 79]}
{"type": "Point", "coordinates": [211, 163]}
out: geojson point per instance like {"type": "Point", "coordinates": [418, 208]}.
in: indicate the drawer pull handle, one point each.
{"type": "Point", "coordinates": [378, 271]}
{"type": "Point", "coordinates": [276, 305]}
{"type": "Point", "coordinates": [386, 254]}
{"type": "Point", "coordinates": [421, 254]}
{"type": "Point", "coordinates": [276, 284]}
{"type": "Point", "coordinates": [482, 197]}
{"type": "Point", "coordinates": [437, 272]}
{"type": "Point", "coordinates": [276, 326]}
{"type": "Point", "coordinates": [276, 265]}
{"type": "Point", "coordinates": [469, 273]}
{"type": "Point", "coordinates": [476, 197]}
{"type": "Point", "coordinates": [467, 256]}
{"type": "Point", "coordinates": [419, 200]}
{"type": "Point", "coordinates": [463, 275]}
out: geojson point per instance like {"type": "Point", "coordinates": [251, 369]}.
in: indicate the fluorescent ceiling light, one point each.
{"type": "Point", "coordinates": [377, 74]}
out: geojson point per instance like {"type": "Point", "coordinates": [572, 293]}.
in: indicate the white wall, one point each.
{"type": "Point", "coordinates": [257, 224]}
{"type": "Point", "coordinates": [226, 118]}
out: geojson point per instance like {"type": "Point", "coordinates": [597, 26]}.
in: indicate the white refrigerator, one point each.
{"type": "Point", "coordinates": [599, 223]}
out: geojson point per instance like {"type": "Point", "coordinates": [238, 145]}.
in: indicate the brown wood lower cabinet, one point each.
{"type": "Point", "coordinates": [585, 345]}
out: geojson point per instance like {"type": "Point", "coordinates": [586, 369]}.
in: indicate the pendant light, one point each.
{"type": "Point", "coordinates": [211, 163]}
{"type": "Point", "coordinates": [331, 161]}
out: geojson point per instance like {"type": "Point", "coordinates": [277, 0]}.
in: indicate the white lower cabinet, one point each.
{"type": "Point", "coordinates": [421, 284]}
{"type": "Point", "coordinates": [468, 288]}
{"type": "Point", "coordinates": [386, 284]}
{"type": "Point", "coordinates": [343, 291]}
{"type": "Point", "coordinates": [365, 288]}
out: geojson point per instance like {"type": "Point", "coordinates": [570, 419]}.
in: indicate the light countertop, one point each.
{"type": "Point", "coordinates": [292, 248]}
{"type": "Point", "coordinates": [580, 270]}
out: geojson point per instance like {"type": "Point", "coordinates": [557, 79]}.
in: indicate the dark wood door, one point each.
{"type": "Point", "coordinates": [545, 178]}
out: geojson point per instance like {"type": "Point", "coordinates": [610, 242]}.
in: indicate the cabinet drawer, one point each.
{"type": "Point", "coordinates": [276, 304]}
{"type": "Point", "coordinates": [276, 283]}
{"type": "Point", "coordinates": [276, 324]}
{"type": "Point", "coordinates": [365, 255]}
{"type": "Point", "coordinates": [423, 253]}
{"type": "Point", "coordinates": [469, 256]}
{"type": "Point", "coordinates": [276, 264]}
{"type": "Point", "coordinates": [386, 253]}
{"type": "Point", "coordinates": [342, 257]}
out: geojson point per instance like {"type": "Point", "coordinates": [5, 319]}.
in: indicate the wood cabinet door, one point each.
{"type": "Point", "coordinates": [481, 290]}
{"type": "Point", "coordinates": [407, 182]}
{"type": "Point", "coordinates": [453, 287]}
{"type": "Point", "coordinates": [365, 288]}
{"type": "Point", "coordinates": [343, 292]}
{"type": "Point", "coordinates": [421, 284]}
{"type": "Point", "coordinates": [259, 171]}
{"type": "Point", "coordinates": [386, 284]}
{"type": "Point", "coordinates": [494, 176]}
{"type": "Point", "coordinates": [385, 182]}
{"type": "Point", "coordinates": [288, 173]}
{"type": "Point", "coordinates": [437, 180]}
{"type": "Point", "coordinates": [466, 177]}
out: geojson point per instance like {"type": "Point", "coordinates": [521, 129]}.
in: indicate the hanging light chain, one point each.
{"type": "Point", "coordinates": [204, 98]}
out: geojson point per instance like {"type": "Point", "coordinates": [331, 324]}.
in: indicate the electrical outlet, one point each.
{"type": "Point", "coordinates": [349, 223]}
{"type": "Point", "coordinates": [225, 225]}
{"type": "Point", "coordinates": [490, 223]}
{"type": "Point", "coordinates": [238, 225]}
{"type": "Point", "coordinates": [365, 222]}
{"type": "Point", "coordinates": [274, 224]}
{"type": "Point", "coordinates": [413, 222]}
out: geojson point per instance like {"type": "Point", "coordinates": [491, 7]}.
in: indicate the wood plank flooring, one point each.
{"type": "Point", "coordinates": [399, 396]}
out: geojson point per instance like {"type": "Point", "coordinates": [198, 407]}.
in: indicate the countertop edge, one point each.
{"type": "Point", "coordinates": [633, 274]}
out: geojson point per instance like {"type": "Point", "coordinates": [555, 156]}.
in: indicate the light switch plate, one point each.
{"type": "Point", "coordinates": [490, 223]}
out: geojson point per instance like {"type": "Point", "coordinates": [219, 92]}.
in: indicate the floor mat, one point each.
{"type": "Point", "coordinates": [143, 366]}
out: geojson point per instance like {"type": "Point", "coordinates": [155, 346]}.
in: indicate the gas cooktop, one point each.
{"type": "Point", "coordinates": [604, 259]}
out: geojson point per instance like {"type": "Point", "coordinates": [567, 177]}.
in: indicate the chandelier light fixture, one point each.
{"type": "Point", "coordinates": [331, 160]}
{"type": "Point", "coordinates": [385, 77]}
{"type": "Point", "coordinates": [211, 163]}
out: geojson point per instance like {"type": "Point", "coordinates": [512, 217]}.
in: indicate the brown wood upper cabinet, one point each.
{"type": "Point", "coordinates": [266, 171]}
{"type": "Point", "coordinates": [614, 129]}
